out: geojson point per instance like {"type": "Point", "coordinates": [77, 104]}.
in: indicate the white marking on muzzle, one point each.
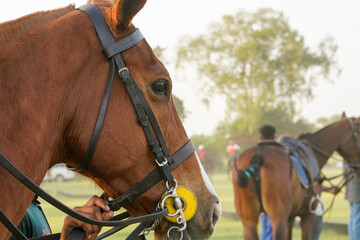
{"type": "Point", "coordinates": [206, 179]}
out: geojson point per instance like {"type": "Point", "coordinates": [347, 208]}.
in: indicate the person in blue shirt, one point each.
{"type": "Point", "coordinates": [34, 223]}
{"type": "Point", "coordinates": [352, 194]}
{"type": "Point", "coordinates": [267, 132]}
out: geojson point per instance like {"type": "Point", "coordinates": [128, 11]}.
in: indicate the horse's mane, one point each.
{"type": "Point", "coordinates": [309, 134]}
{"type": "Point", "coordinates": [322, 129]}
{"type": "Point", "coordinates": [14, 28]}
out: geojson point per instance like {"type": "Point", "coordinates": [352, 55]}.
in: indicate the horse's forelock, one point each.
{"type": "Point", "coordinates": [14, 28]}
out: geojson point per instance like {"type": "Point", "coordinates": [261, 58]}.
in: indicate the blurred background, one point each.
{"type": "Point", "coordinates": [235, 66]}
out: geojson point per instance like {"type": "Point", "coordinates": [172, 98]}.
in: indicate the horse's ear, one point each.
{"type": "Point", "coordinates": [124, 11]}
{"type": "Point", "coordinates": [343, 115]}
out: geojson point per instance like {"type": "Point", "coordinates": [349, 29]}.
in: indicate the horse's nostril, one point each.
{"type": "Point", "coordinates": [215, 218]}
{"type": "Point", "coordinates": [217, 213]}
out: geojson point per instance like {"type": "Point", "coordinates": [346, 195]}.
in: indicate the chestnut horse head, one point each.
{"type": "Point", "coordinates": [349, 148]}
{"type": "Point", "coordinates": [53, 77]}
{"type": "Point", "coordinates": [342, 136]}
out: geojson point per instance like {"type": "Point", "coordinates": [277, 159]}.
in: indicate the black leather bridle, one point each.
{"type": "Point", "coordinates": [353, 134]}
{"type": "Point", "coordinates": [165, 162]}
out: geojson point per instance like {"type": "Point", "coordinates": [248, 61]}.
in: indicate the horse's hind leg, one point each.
{"type": "Point", "coordinates": [278, 206]}
{"type": "Point", "coordinates": [248, 211]}
{"type": "Point", "coordinates": [280, 230]}
{"type": "Point", "coordinates": [247, 207]}
{"type": "Point", "coordinates": [250, 230]}
{"type": "Point", "coordinates": [290, 227]}
{"type": "Point", "coordinates": [307, 224]}
{"type": "Point", "coordinates": [276, 191]}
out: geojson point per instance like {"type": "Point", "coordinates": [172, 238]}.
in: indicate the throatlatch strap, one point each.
{"type": "Point", "coordinates": [106, 41]}
{"type": "Point", "coordinates": [99, 122]}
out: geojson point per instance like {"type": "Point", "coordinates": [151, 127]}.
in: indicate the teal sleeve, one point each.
{"type": "Point", "coordinates": [34, 223]}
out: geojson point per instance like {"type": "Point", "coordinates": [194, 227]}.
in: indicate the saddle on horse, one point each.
{"type": "Point", "coordinates": [303, 159]}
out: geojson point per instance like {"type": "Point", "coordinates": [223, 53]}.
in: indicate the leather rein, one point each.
{"type": "Point", "coordinates": [146, 118]}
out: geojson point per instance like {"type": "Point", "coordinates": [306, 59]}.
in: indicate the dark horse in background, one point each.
{"type": "Point", "coordinates": [52, 78]}
{"type": "Point", "coordinates": [279, 192]}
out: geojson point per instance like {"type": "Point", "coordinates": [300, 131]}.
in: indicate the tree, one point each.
{"type": "Point", "coordinates": [261, 66]}
{"type": "Point", "coordinates": [216, 146]}
{"type": "Point", "coordinates": [179, 104]}
{"type": "Point", "coordinates": [323, 121]}
{"type": "Point", "coordinates": [282, 122]}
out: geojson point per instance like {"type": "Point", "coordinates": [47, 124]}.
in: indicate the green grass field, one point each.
{"type": "Point", "coordinates": [225, 229]}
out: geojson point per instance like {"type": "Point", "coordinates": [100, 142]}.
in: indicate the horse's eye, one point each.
{"type": "Point", "coordinates": [160, 87]}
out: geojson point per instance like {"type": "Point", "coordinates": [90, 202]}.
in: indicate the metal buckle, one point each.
{"type": "Point", "coordinates": [163, 163]}
{"type": "Point", "coordinates": [123, 69]}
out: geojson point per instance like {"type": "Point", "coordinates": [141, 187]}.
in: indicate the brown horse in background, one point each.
{"type": "Point", "coordinates": [52, 79]}
{"type": "Point", "coordinates": [280, 193]}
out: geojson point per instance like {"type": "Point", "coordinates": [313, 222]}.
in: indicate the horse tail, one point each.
{"type": "Point", "coordinates": [251, 172]}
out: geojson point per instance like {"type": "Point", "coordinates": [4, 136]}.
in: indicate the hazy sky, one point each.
{"type": "Point", "coordinates": [164, 22]}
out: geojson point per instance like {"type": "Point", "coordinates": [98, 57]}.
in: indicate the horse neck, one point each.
{"type": "Point", "coordinates": [36, 82]}
{"type": "Point", "coordinates": [327, 141]}
{"type": "Point", "coordinates": [43, 76]}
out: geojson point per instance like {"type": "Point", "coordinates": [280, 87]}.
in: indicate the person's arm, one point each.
{"type": "Point", "coordinates": [91, 209]}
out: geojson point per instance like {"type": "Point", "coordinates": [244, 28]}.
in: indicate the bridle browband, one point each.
{"type": "Point", "coordinates": [166, 162]}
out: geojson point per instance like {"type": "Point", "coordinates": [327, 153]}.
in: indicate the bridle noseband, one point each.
{"type": "Point", "coordinates": [146, 118]}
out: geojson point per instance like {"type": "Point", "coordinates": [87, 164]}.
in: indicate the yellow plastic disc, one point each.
{"type": "Point", "coordinates": [189, 203]}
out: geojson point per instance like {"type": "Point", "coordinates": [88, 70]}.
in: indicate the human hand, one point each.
{"type": "Point", "coordinates": [91, 209]}
{"type": "Point", "coordinates": [333, 190]}
{"type": "Point", "coordinates": [336, 190]}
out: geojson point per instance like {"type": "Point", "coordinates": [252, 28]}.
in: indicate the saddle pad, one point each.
{"type": "Point", "coordinates": [297, 147]}
{"type": "Point", "coordinates": [315, 169]}
{"type": "Point", "coordinates": [289, 142]}
{"type": "Point", "coordinates": [301, 173]}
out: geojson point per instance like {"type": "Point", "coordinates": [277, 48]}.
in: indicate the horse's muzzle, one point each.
{"type": "Point", "coordinates": [216, 213]}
